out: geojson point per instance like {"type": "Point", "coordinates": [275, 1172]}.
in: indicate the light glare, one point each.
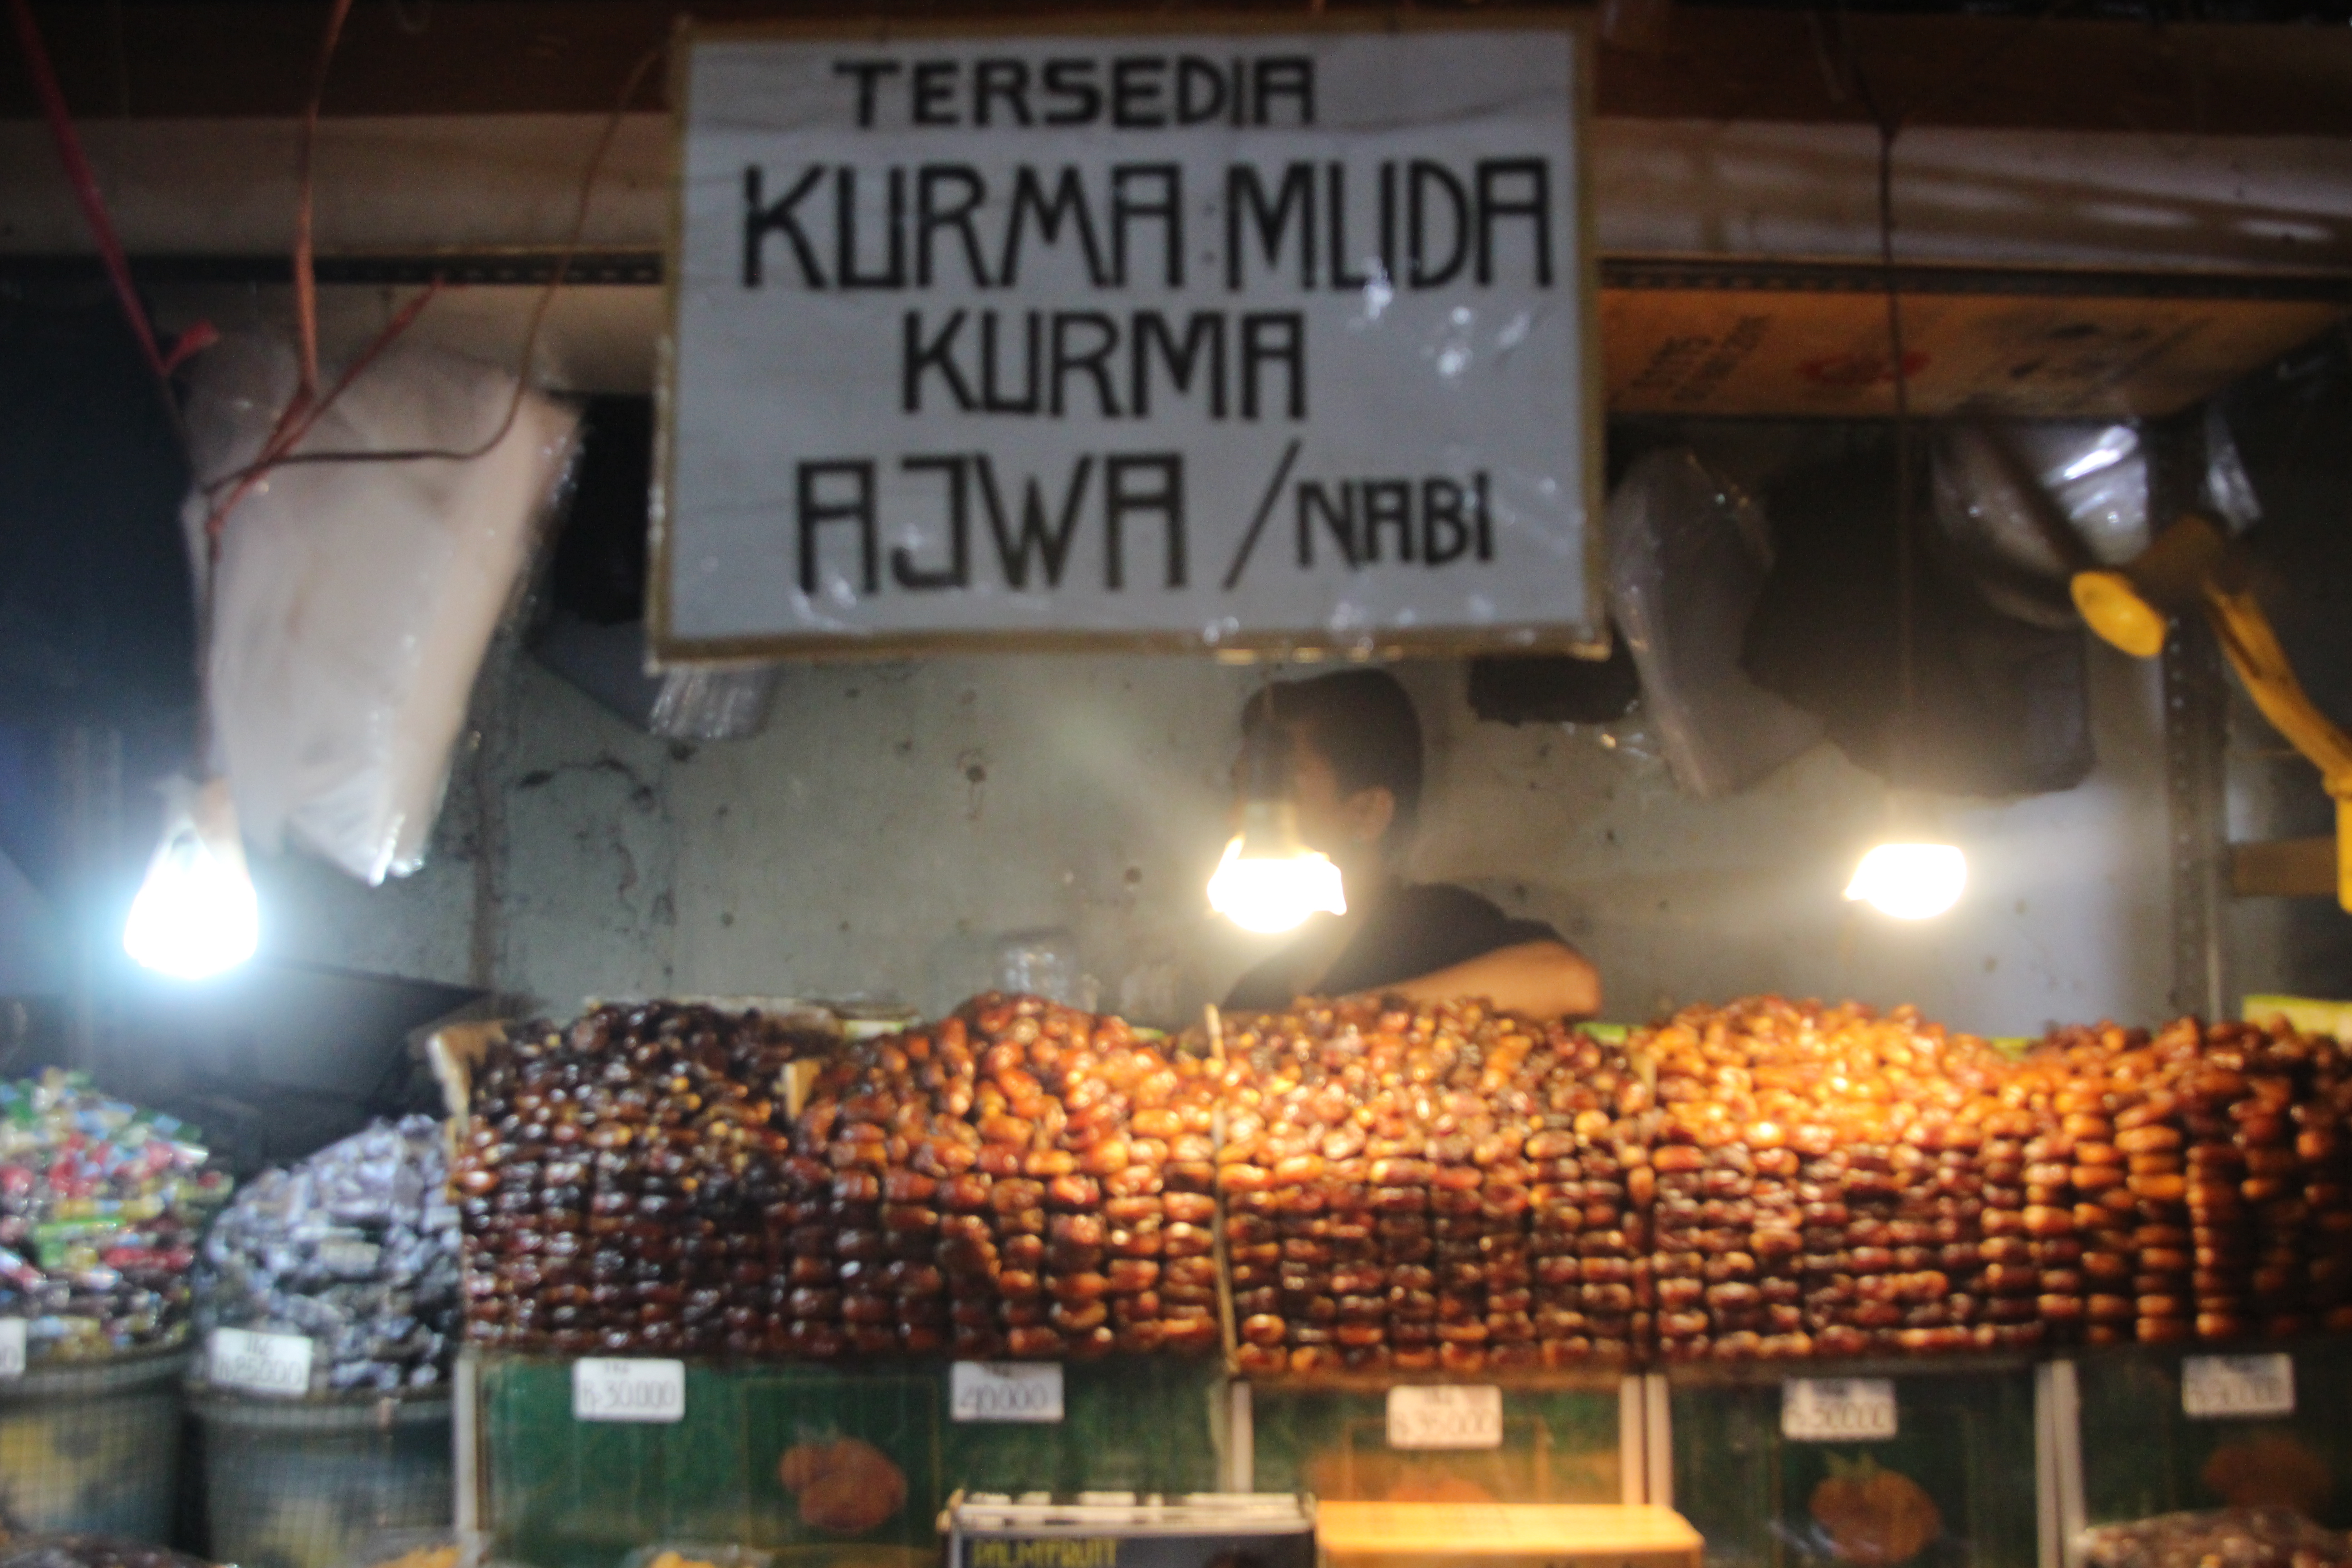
{"type": "Point", "coordinates": [1910, 882]}
{"type": "Point", "coordinates": [1272, 893]}
{"type": "Point", "coordinates": [195, 915]}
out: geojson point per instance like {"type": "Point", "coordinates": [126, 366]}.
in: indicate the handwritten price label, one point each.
{"type": "Point", "coordinates": [605, 1388]}
{"type": "Point", "coordinates": [2214, 1386]}
{"type": "Point", "coordinates": [258, 1364]}
{"type": "Point", "coordinates": [1837, 1409]}
{"type": "Point", "coordinates": [1004, 1391]}
{"type": "Point", "coordinates": [1431, 1415]}
{"type": "Point", "coordinates": [12, 1347]}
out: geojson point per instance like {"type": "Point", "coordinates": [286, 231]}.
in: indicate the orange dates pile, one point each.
{"type": "Point", "coordinates": [1832, 1182]}
{"type": "Point", "coordinates": [1019, 1179]}
{"type": "Point", "coordinates": [1400, 1188]}
{"type": "Point", "coordinates": [2206, 1174]}
{"type": "Point", "coordinates": [1446, 1187]}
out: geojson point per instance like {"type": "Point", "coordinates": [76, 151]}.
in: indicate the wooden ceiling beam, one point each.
{"type": "Point", "coordinates": [202, 59]}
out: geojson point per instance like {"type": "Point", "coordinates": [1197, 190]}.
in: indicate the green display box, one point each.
{"type": "Point", "coordinates": [561, 1493]}
{"type": "Point", "coordinates": [1954, 1488]}
{"type": "Point", "coordinates": [2143, 1455]}
{"type": "Point", "coordinates": [1559, 1446]}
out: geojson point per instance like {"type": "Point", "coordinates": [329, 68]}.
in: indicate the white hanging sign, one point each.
{"type": "Point", "coordinates": [1837, 1409]}
{"type": "Point", "coordinates": [1004, 1391]}
{"type": "Point", "coordinates": [1445, 1416]}
{"type": "Point", "coordinates": [1257, 339]}
{"type": "Point", "coordinates": [2214, 1386]}
{"type": "Point", "coordinates": [258, 1362]}
{"type": "Point", "coordinates": [628, 1388]}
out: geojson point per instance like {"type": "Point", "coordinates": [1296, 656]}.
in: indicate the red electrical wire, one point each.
{"type": "Point", "coordinates": [304, 410]}
{"type": "Point", "coordinates": [93, 207]}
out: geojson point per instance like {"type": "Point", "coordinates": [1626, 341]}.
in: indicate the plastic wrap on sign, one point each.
{"type": "Point", "coordinates": [354, 601]}
{"type": "Point", "coordinates": [1687, 558]}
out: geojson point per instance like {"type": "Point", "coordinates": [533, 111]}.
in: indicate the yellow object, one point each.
{"type": "Point", "coordinates": [1503, 1535]}
{"type": "Point", "coordinates": [2193, 564]}
{"type": "Point", "coordinates": [2117, 612]}
{"type": "Point", "coordinates": [2306, 1014]}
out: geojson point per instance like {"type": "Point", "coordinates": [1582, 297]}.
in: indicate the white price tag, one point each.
{"type": "Point", "coordinates": [1837, 1409]}
{"type": "Point", "coordinates": [1004, 1391]}
{"type": "Point", "coordinates": [2237, 1385]}
{"type": "Point", "coordinates": [12, 1347]}
{"type": "Point", "coordinates": [258, 1364]}
{"type": "Point", "coordinates": [1440, 1415]}
{"type": "Point", "coordinates": [605, 1388]}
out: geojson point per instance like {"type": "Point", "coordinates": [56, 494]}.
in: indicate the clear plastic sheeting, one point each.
{"type": "Point", "coordinates": [712, 702]}
{"type": "Point", "coordinates": [1688, 559]}
{"type": "Point", "coordinates": [2229, 489]}
{"type": "Point", "coordinates": [2025, 507]}
{"type": "Point", "coordinates": [355, 600]}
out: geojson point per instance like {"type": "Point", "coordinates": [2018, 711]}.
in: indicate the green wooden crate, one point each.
{"type": "Point", "coordinates": [557, 1493]}
{"type": "Point", "coordinates": [1558, 1446]}
{"type": "Point", "coordinates": [1967, 1440]}
{"type": "Point", "coordinates": [2141, 1455]}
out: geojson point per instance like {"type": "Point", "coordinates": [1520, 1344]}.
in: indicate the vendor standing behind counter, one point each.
{"type": "Point", "coordinates": [1355, 772]}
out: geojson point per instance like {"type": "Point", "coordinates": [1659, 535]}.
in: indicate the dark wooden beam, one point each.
{"type": "Point", "coordinates": [219, 58]}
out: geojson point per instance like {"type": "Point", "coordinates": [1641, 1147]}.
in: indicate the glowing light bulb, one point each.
{"type": "Point", "coordinates": [195, 915]}
{"type": "Point", "coordinates": [1275, 892]}
{"type": "Point", "coordinates": [1910, 882]}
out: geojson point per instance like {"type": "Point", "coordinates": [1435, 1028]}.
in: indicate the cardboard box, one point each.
{"type": "Point", "coordinates": [1798, 354]}
{"type": "Point", "coordinates": [1503, 1535]}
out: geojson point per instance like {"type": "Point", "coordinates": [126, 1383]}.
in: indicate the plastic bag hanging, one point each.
{"type": "Point", "coordinates": [1688, 559]}
{"type": "Point", "coordinates": [355, 600]}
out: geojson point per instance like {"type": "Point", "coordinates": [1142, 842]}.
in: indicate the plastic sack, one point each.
{"type": "Point", "coordinates": [1688, 559]}
{"type": "Point", "coordinates": [2217, 1538]}
{"type": "Point", "coordinates": [100, 1205]}
{"type": "Point", "coordinates": [2025, 507]}
{"type": "Point", "coordinates": [355, 601]}
{"type": "Point", "coordinates": [354, 1249]}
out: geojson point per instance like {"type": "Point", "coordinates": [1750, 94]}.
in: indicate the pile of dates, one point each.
{"type": "Point", "coordinates": [1402, 1187]}
{"type": "Point", "coordinates": [1019, 1179]}
{"type": "Point", "coordinates": [620, 1184]}
{"type": "Point", "coordinates": [2205, 1172]}
{"type": "Point", "coordinates": [1833, 1182]}
{"type": "Point", "coordinates": [2218, 1538]}
{"type": "Point", "coordinates": [1432, 1187]}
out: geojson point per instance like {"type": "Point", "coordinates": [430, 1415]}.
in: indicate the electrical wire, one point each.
{"type": "Point", "coordinates": [284, 457]}
{"type": "Point", "coordinates": [306, 279]}
{"type": "Point", "coordinates": [1888, 124]}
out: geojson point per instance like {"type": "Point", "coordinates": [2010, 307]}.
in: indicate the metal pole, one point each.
{"type": "Point", "coordinates": [2196, 716]}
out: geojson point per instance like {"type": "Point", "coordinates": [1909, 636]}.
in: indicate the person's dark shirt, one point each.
{"type": "Point", "coordinates": [1417, 930]}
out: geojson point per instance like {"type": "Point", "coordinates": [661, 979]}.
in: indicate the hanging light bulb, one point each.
{"type": "Point", "coordinates": [1910, 882]}
{"type": "Point", "coordinates": [1268, 880]}
{"type": "Point", "coordinates": [195, 915]}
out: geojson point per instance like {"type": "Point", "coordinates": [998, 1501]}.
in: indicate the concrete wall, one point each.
{"type": "Point", "coordinates": [895, 820]}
